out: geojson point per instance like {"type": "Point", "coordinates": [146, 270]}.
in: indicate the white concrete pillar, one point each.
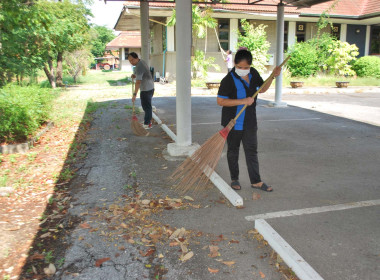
{"type": "Point", "coordinates": [183, 145]}
{"type": "Point", "coordinates": [291, 33]}
{"type": "Point", "coordinates": [343, 32]}
{"type": "Point", "coordinates": [170, 38]}
{"type": "Point", "coordinates": [145, 32]}
{"type": "Point", "coordinates": [367, 40]}
{"type": "Point", "coordinates": [279, 55]}
{"type": "Point", "coordinates": [121, 57]}
{"type": "Point", "coordinates": [233, 34]}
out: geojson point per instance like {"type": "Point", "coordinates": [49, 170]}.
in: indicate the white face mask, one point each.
{"type": "Point", "coordinates": [242, 72]}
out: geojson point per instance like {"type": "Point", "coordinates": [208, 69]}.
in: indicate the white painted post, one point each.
{"type": "Point", "coordinates": [279, 55]}
{"type": "Point", "coordinates": [183, 62]}
{"type": "Point", "coordinates": [343, 32]}
{"type": "Point", "coordinates": [367, 37]}
{"type": "Point", "coordinates": [170, 38]}
{"type": "Point", "coordinates": [145, 32]}
{"type": "Point", "coordinates": [121, 58]}
{"type": "Point", "coordinates": [233, 35]}
{"type": "Point", "coordinates": [183, 145]}
{"type": "Point", "coordinates": [291, 33]}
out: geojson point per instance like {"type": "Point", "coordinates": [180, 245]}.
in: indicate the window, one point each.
{"type": "Point", "coordinates": [374, 48]}
{"type": "Point", "coordinates": [286, 28]}
{"type": "Point", "coordinates": [224, 33]}
{"type": "Point", "coordinates": [335, 31]}
{"type": "Point", "coordinates": [301, 31]}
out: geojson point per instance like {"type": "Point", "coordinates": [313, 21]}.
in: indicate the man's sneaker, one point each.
{"type": "Point", "coordinates": [147, 126]}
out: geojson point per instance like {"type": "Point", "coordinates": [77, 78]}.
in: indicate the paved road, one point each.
{"type": "Point", "coordinates": [312, 159]}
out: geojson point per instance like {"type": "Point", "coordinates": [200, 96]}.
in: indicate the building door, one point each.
{"type": "Point", "coordinates": [356, 35]}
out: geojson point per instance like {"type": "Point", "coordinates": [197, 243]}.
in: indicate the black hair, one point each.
{"type": "Point", "coordinates": [243, 55]}
{"type": "Point", "coordinates": [133, 54]}
{"type": "Point", "coordinates": [229, 51]}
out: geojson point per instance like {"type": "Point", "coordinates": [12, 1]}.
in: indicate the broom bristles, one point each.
{"type": "Point", "coordinates": [195, 171]}
{"type": "Point", "coordinates": [137, 128]}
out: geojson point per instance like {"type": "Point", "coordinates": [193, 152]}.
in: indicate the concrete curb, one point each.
{"type": "Point", "coordinates": [300, 267]}
{"type": "Point", "coordinates": [24, 147]}
{"type": "Point", "coordinates": [224, 188]}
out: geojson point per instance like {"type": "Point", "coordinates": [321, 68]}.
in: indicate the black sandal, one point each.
{"type": "Point", "coordinates": [264, 187]}
{"type": "Point", "coordinates": [235, 185]}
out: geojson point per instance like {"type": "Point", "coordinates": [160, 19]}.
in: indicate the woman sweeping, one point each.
{"type": "Point", "coordinates": [235, 91]}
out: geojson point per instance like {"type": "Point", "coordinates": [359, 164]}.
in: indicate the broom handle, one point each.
{"type": "Point", "coordinates": [263, 85]}
{"type": "Point", "coordinates": [133, 103]}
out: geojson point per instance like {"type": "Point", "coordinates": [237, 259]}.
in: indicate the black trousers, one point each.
{"type": "Point", "coordinates": [249, 139]}
{"type": "Point", "coordinates": [146, 104]}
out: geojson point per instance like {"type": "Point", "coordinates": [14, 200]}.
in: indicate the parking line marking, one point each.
{"type": "Point", "coordinates": [314, 210]}
{"type": "Point", "coordinates": [284, 120]}
{"type": "Point", "coordinates": [300, 267]}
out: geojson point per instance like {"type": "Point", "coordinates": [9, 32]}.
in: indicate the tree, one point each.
{"type": "Point", "coordinates": [34, 35]}
{"type": "Point", "coordinates": [69, 31]}
{"type": "Point", "coordinates": [100, 36]}
{"type": "Point", "coordinates": [255, 40]}
{"type": "Point", "coordinates": [20, 51]}
{"type": "Point", "coordinates": [76, 62]}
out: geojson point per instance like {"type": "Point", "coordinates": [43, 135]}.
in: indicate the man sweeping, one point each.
{"type": "Point", "coordinates": [144, 83]}
{"type": "Point", "coordinates": [235, 91]}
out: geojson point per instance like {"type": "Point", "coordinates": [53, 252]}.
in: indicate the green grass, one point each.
{"type": "Point", "coordinates": [329, 81]}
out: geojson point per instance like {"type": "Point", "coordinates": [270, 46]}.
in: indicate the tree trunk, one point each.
{"type": "Point", "coordinates": [59, 69]}
{"type": "Point", "coordinates": [50, 76]}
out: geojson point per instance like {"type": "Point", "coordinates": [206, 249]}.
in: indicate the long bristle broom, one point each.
{"type": "Point", "coordinates": [195, 171]}
{"type": "Point", "coordinates": [137, 127]}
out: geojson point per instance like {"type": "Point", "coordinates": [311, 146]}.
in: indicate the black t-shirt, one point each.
{"type": "Point", "coordinates": [232, 87]}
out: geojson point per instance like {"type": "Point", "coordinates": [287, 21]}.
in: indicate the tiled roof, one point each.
{"type": "Point", "coordinates": [342, 8]}
{"type": "Point", "coordinates": [127, 39]}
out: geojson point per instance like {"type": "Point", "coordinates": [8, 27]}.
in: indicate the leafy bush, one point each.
{"type": "Point", "coordinates": [304, 60]}
{"type": "Point", "coordinates": [22, 111]}
{"type": "Point", "coordinates": [199, 63]}
{"type": "Point", "coordinates": [341, 54]}
{"type": "Point", "coordinates": [367, 66]}
{"type": "Point", "coordinates": [254, 38]}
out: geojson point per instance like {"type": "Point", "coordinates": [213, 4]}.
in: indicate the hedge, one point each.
{"type": "Point", "coordinates": [367, 66]}
{"type": "Point", "coordinates": [22, 111]}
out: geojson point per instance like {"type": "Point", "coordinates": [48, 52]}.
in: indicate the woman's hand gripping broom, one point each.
{"type": "Point", "coordinates": [195, 171]}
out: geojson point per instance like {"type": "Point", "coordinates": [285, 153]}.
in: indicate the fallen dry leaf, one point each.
{"type": "Point", "coordinates": [183, 248]}
{"type": "Point", "coordinates": [147, 253]}
{"type": "Point", "coordinates": [229, 263]}
{"type": "Point", "coordinates": [188, 198]}
{"type": "Point", "coordinates": [187, 257]}
{"type": "Point", "coordinates": [37, 257]}
{"type": "Point", "coordinates": [84, 225]}
{"type": "Point", "coordinates": [234, 241]}
{"type": "Point", "coordinates": [145, 202]}
{"type": "Point", "coordinates": [212, 270]}
{"type": "Point", "coordinates": [262, 275]}
{"type": "Point", "coordinates": [99, 262]}
{"type": "Point", "coordinates": [256, 196]}
{"type": "Point", "coordinates": [160, 256]}
{"type": "Point", "coordinates": [45, 235]}
{"type": "Point", "coordinates": [214, 251]}
{"type": "Point", "coordinates": [50, 270]}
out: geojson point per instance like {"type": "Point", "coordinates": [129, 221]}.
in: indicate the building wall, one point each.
{"type": "Point", "coordinates": [271, 33]}
{"type": "Point", "coordinates": [156, 42]}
